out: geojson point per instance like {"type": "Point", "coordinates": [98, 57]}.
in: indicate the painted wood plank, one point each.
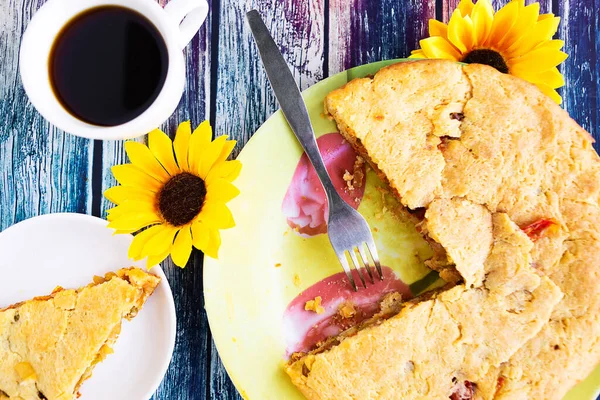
{"type": "Point", "coordinates": [188, 372]}
{"type": "Point", "coordinates": [579, 30]}
{"type": "Point", "coordinates": [244, 99]}
{"type": "Point", "coordinates": [365, 31]}
{"type": "Point", "coordinates": [596, 128]}
{"type": "Point", "coordinates": [42, 169]}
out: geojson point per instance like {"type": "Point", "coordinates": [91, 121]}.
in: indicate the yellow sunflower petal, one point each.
{"type": "Point", "coordinates": [540, 59]}
{"type": "Point", "coordinates": [220, 190]}
{"type": "Point", "coordinates": [153, 261]}
{"type": "Point", "coordinates": [554, 44]}
{"type": "Point", "coordinates": [541, 32]}
{"type": "Point", "coordinates": [181, 144]}
{"type": "Point", "coordinates": [214, 243]}
{"type": "Point", "coordinates": [552, 78]}
{"type": "Point", "coordinates": [545, 16]}
{"type": "Point", "coordinates": [417, 54]}
{"type": "Point", "coordinates": [162, 147]}
{"type": "Point", "coordinates": [131, 207]}
{"type": "Point", "coordinates": [216, 215]}
{"type": "Point", "coordinates": [483, 18]}
{"type": "Point", "coordinates": [228, 170]}
{"type": "Point", "coordinates": [460, 32]}
{"type": "Point", "coordinates": [200, 235]}
{"type": "Point", "coordinates": [161, 242]}
{"type": "Point", "coordinates": [465, 7]}
{"type": "Point", "coordinates": [437, 28]}
{"type": "Point", "coordinates": [132, 216]}
{"type": "Point", "coordinates": [548, 91]}
{"type": "Point", "coordinates": [226, 150]}
{"type": "Point", "coordinates": [503, 22]}
{"type": "Point", "coordinates": [182, 247]}
{"type": "Point", "coordinates": [133, 222]}
{"type": "Point", "coordinates": [211, 154]}
{"type": "Point", "coordinates": [130, 175]}
{"type": "Point", "coordinates": [527, 18]}
{"type": "Point", "coordinates": [198, 143]}
{"type": "Point", "coordinates": [142, 157]}
{"type": "Point", "coordinates": [438, 47]}
{"type": "Point", "coordinates": [140, 240]}
{"type": "Point", "coordinates": [120, 194]}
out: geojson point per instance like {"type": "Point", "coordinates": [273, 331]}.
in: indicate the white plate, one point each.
{"type": "Point", "coordinates": [41, 253]}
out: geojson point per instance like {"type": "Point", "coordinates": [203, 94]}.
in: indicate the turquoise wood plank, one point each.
{"type": "Point", "coordinates": [42, 169]}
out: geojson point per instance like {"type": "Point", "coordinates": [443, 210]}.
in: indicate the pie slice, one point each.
{"type": "Point", "coordinates": [463, 145]}
{"type": "Point", "coordinates": [50, 345]}
{"type": "Point", "coordinates": [432, 345]}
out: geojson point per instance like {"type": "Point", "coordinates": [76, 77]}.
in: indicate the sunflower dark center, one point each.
{"type": "Point", "coordinates": [487, 57]}
{"type": "Point", "coordinates": [181, 198]}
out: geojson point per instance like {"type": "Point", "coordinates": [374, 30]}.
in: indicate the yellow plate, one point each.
{"type": "Point", "coordinates": [246, 294]}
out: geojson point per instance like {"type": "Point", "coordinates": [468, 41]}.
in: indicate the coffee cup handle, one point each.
{"type": "Point", "coordinates": [189, 16]}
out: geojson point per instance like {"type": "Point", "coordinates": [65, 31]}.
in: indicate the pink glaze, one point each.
{"type": "Point", "coordinates": [305, 204]}
{"type": "Point", "coordinates": [303, 329]}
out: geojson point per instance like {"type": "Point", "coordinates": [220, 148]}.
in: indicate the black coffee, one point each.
{"type": "Point", "coordinates": [108, 65]}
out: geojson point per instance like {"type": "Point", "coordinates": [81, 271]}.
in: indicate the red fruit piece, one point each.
{"type": "Point", "coordinates": [540, 228]}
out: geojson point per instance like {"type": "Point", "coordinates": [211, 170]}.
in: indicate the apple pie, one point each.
{"type": "Point", "coordinates": [49, 345]}
{"type": "Point", "coordinates": [506, 187]}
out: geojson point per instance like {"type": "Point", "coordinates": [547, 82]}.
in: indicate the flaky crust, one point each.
{"type": "Point", "coordinates": [62, 336]}
{"type": "Point", "coordinates": [448, 136]}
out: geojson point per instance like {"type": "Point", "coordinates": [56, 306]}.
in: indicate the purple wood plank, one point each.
{"type": "Point", "coordinates": [579, 30]}
{"type": "Point", "coordinates": [42, 169]}
{"type": "Point", "coordinates": [364, 31]}
{"type": "Point", "coordinates": [595, 129]}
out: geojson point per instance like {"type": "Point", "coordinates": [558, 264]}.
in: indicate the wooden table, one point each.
{"type": "Point", "coordinates": [44, 170]}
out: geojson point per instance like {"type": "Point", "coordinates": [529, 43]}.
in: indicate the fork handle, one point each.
{"type": "Point", "coordinates": [312, 151]}
{"type": "Point", "coordinates": [289, 97]}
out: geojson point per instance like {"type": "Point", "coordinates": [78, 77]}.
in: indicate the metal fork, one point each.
{"type": "Point", "coordinates": [348, 231]}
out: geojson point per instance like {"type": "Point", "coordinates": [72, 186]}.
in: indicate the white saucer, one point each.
{"type": "Point", "coordinates": [41, 253]}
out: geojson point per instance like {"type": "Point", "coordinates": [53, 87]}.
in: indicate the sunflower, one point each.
{"type": "Point", "coordinates": [178, 191]}
{"type": "Point", "coordinates": [516, 40]}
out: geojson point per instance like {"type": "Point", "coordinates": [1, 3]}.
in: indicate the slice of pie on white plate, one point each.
{"type": "Point", "coordinates": [49, 345]}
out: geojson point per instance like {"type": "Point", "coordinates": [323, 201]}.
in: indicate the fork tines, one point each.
{"type": "Point", "coordinates": [366, 264]}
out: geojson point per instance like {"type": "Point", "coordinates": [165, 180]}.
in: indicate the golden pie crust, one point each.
{"type": "Point", "coordinates": [49, 345]}
{"type": "Point", "coordinates": [482, 154]}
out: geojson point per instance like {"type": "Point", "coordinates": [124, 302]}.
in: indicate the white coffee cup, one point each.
{"type": "Point", "coordinates": [177, 23]}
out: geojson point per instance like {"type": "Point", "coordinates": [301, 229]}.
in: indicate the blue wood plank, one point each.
{"type": "Point", "coordinates": [221, 386]}
{"type": "Point", "coordinates": [42, 169]}
{"type": "Point", "coordinates": [187, 377]}
{"type": "Point", "coordinates": [596, 129]}
{"type": "Point", "coordinates": [188, 373]}
{"type": "Point", "coordinates": [579, 30]}
{"type": "Point", "coordinates": [243, 97]}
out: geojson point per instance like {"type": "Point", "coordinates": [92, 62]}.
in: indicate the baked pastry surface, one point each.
{"type": "Point", "coordinates": [483, 153]}
{"type": "Point", "coordinates": [49, 345]}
